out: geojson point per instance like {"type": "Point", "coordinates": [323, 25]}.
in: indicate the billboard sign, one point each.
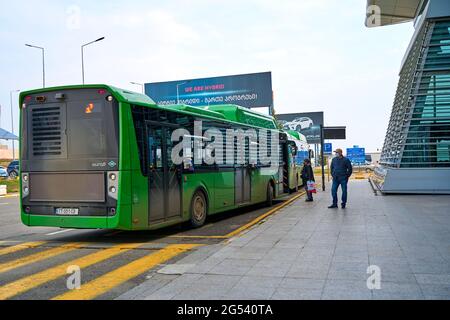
{"type": "Point", "coordinates": [307, 123]}
{"type": "Point", "coordinates": [356, 155]}
{"type": "Point", "coordinates": [247, 90]}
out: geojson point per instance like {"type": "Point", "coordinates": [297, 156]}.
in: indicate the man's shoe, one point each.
{"type": "Point", "coordinates": [333, 206]}
{"type": "Point", "coordinates": [308, 200]}
{"type": "Point", "coordinates": [343, 206]}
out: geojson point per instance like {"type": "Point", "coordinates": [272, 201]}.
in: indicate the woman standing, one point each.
{"type": "Point", "coordinates": [307, 175]}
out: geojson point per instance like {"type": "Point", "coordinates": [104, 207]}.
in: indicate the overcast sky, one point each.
{"type": "Point", "coordinates": [321, 55]}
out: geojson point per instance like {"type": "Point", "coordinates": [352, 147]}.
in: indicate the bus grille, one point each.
{"type": "Point", "coordinates": [46, 131]}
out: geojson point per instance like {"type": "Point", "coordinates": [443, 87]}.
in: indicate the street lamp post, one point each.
{"type": "Point", "coordinates": [12, 120]}
{"type": "Point", "coordinates": [82, 54]}
{"type": "Point", "coordinates": [139, 84]}
{"type": "Point", "coordinates": [178, 94]}
{"type": "Point", "coordinates": [43, 61]}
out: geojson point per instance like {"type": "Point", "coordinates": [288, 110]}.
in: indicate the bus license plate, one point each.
{"type": "Point", "coordinates": [67, 211]}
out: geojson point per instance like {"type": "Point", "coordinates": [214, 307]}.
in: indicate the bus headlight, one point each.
{"type": "Point", "coordinates": [113, 184]}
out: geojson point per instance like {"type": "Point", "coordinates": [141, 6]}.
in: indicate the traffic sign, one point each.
{"type": "Point", "coordinates": [356, 155]}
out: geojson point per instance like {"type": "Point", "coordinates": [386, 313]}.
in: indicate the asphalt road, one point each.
{"type": "Point", "coordinates": [34, 261]}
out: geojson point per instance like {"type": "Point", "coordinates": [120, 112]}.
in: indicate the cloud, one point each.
{"type": "Point", "coordinates": [162, 25]}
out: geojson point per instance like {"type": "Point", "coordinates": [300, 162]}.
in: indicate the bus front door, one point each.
{"type": "Point", "coordinates": [164, 183]}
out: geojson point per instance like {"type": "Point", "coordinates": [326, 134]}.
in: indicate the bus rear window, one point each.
{"type": "Point", "coordinates": [86, 129]}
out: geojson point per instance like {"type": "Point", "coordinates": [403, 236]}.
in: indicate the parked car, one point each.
{"type": "Point", "coordinates": [367, 166]}
{"type": "Point", "coordinates": [13, 169]}
{"type": "Point", "coordinates": [3, 172]}
{"type": "Point", "coordinates": [300, 123]}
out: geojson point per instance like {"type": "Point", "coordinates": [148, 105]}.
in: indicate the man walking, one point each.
{"type": "Point", "coordinates": [307, 175]}
{"type": "Point", "coordinates": [341, 170]}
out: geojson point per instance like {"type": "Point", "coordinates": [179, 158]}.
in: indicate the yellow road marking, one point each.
{"type": "Point", "coordinates": [261, 217]}
{"type": "Point", "coordinates": [22, 246]}
{"type": "Point", "coordinates": [38, 257]}
{"type": "Point", "coordinates": [246, 226]}
{"type": "Point", "coordinates": [131, 270]}
{"type": "Point", "coordinates": [24, 284]}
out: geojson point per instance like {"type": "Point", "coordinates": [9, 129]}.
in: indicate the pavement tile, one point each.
{"type": "Point", "coordinates": [258, 281]}
{"type": "Point", "coordinates": [224, 281]}
{"type": "Point", "coordinates": [310, 272]}
{"type": "Point", "coordinates": [346, 289]}
{"type": "Point", "coordinates": [202, 292]}
{"type": "Point", "coordinates": [433, 278]}
{"type": "Point", "coordinates": [302, 284]}
{"type": "Point", "coordinates": [433, 268]}
{"type": "Point", "coordinates": [393, 290]}
{"type": "Point", "coordinates": [268, 272]}
{"type": "Point", "coordinates": [249, 293]}
{"type": "Point", "coordinates": [287, 254]}
{"type": "Point", "coordinates": [289, 245]}
{"type": "Point", "coordinates": [442, 289]}
{"type": "Point", "coordinates": [233, 266]}
{"type": "Point", "coordinates": [296, 294]}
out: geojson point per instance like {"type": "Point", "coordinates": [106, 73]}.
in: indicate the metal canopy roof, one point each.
{"type": "Point", "coordinates": [6, 135]}
{"type": "Point", "coordinates": [396, 11]}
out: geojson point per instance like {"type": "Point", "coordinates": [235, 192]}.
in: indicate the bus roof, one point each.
{"type": "Point", "coordinates": [227, 112]}
{"type": "Point", "coordinates": [120, 94]}
{"type": "Point", "coordinates": [297, 135]}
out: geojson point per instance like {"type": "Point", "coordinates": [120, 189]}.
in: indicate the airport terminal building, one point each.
{"type": "Point", "coordinates": [416, 151]}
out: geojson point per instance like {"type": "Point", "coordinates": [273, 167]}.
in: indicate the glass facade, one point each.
{"type": "Point", "coordinates": [418, 133]}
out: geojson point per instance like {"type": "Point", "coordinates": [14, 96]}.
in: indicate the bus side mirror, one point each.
{"type": "Point", "coordinates": [311, 153]}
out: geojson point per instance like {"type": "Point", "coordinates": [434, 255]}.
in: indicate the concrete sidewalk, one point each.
{"type": "Point", "coordinates": [306, 251]}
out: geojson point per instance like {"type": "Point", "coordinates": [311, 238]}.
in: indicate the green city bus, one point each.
{"type": "Point", "coordinates": [95, 156]}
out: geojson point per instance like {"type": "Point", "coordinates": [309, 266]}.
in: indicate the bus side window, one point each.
{"type": "Point", "coordinates": [159, 162]}
{"type": "Point", "coordinates": [154, 153]}
{"type": "Point", "coordinates": [151, 148]}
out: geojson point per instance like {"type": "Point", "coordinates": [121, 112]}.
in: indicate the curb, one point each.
{"type": "Point", "coordinates": [10, 195]}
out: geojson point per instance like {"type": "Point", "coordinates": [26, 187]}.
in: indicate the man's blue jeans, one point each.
{"type": "Point", "coordinates": [339, 181]}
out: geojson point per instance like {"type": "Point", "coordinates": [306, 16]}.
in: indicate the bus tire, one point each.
{"type": "Point", "coordinates": [269, 199]}
{"type": "Point", "coordinates": [199, 209]}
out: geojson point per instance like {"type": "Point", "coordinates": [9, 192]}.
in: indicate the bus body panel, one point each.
{"type": "Point", "coordinates": [224, 183]}
{"type": "Point", "coordinates": [70, 222]}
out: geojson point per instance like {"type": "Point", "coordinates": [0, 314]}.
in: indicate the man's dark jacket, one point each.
{"type": "Point", "coordinates": [341, 167]}
{"type": "Point", "coordinates": [307, 173]}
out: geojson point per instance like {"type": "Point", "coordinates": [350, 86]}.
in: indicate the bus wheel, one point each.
{"type": "Point", "coordinates": [269, 200]}
{"type": "Point", "coordinates": [198, 209]}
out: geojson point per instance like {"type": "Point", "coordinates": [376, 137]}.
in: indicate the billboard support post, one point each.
{"type": "Point", "coordinates": [322, 157]}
